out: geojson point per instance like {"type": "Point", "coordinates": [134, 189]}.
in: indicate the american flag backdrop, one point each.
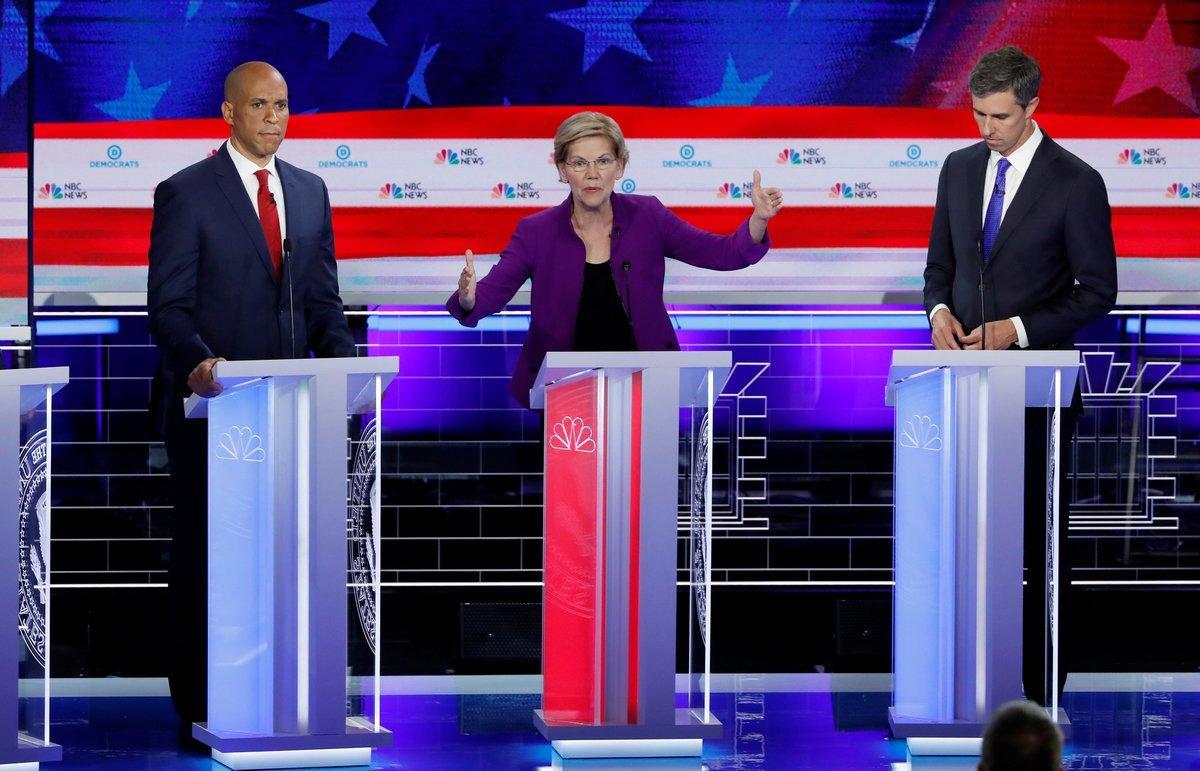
{"type": "Point", "coordinates": [432, 124]}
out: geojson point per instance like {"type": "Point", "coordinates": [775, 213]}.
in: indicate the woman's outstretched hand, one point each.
{"type": "Point", "coordinates": [466, 284]}
{"type": "Point", "coordinates": [767, 200]}
{"type": "Point", "coordinates": [767, 203]}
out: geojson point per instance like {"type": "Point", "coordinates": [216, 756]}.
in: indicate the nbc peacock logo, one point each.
{"type": "Point", "coordinates": [801, 156]}
{"type": "Point", "coordinates": [462, 156]}
{"type": "Point", "coordinates": [503, 190]}
{"type": "Point", "coordinates": [1183, 190]}
{"type": "Point", "coordinates": [844, 190]}
{"type": "Point", "coordinates": [1143, 156]}
{"type": "Point", "coordinates": [730, 190]}
{"type": "Point", "coordinates": [1129, 157]}
{"type": "Point", "coordinates": [50, 190]}
{"type": "Point", "coordinates": [403, 191]}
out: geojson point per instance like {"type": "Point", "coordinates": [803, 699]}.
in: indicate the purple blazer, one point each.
{"type": "Point", "coordinates": [546, 249]}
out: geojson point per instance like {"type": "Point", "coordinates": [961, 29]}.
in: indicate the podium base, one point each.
{"type": "Point", "coordinates": [358, 735]}
{"type": "Point", "coordinates": [27, 753]}
{"type": "Point", "coordinates": [958, 737]}
{"type": "Point", "coordinates": [683, 738]}
{"type": "Point", "coordinates": [340, 758]}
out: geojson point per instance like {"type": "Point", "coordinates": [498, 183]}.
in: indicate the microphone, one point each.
{"type": "Point", "coordinates": [287, 269]}
{"type": "Point", "coordinates": [625, 266]}
{"type": "Point", "coordinates": [615, 232]}
{"type": "Point", "coordinates": [982, 307]}
{"type": "Point", "coordinates": [272, 198]}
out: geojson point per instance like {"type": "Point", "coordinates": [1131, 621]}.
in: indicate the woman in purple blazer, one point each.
{"type": "Point", "coordinates": [597, 260]}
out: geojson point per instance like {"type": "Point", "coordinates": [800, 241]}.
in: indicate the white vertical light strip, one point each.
{"type": "Point", "coordinates": [1055, 441]}
{"type": "Point", "coordinates": [46, 535]}
{"type": "Point", "coordinates": [376, 578]}
{"type": "Point", "coordinates": [600, 418]}
{"type": "Point", "coordinates": [981, 563]}
{"type": "Point", "coordinates": [948, 566]}
{"type": "Point", "coordinates": [302, 558]}
{"type": "Point", "coordinates": [708, 605]}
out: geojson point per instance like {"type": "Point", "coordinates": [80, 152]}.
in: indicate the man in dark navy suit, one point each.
{"type": "Point", "coordinates": [1030, 222]}
{"type": "Point", "coordinates": [241, 267]}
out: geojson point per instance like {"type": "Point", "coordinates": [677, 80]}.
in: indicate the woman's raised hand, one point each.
{"type": "Point", "coordinates": [466, 284]}
{"type": "Point", "coordinates": [767, 200]}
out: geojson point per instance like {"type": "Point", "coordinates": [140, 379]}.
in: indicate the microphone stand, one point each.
{"type": "Point", "coordinates": [287, 269]}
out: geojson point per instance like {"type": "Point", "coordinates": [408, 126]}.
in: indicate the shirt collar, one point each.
{"type": "Point", "coordinates": [1021, 157]}
{"type": "Point", "coordinates": [246, 167]}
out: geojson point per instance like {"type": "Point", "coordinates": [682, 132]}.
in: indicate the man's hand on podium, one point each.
{"type": "Point", "coordinates": [946, 331]}
{"type": "Point", "coordinates": [1001, 335]}
{"type": "Point", "coordinates": [201, 380]}
{"type": "Point", "coordinates": [466, 284]}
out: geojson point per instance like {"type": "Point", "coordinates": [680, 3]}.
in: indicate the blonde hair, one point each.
{"type": "Point", "coordinates": [588, 124]}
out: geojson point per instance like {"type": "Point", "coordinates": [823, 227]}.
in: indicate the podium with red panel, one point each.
{"type": "Point", "coordinates": [613, 425]}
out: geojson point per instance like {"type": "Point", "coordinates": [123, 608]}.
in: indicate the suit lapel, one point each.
{"type": "Point", "coordinates": [235, 192]}
{"type": "Point", "coordinates": [976, 174]}
{"type": "Point", "coordinates": [1030, 190]}
{"type": "Point", "coordinates": [291, 197]}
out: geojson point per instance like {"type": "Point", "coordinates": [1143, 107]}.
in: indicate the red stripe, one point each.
{"type": "Point", "coordinates": [122, 236]}
{"type": "Point", "coordinates": [14, 160]}
{"type": "Point", "coordinates": [640, 122]}
{"type": "Point", "coordinates": [14, 267]}
{"type": "Point", "coordinates": [572, 564]}
{"type": "Point", "coordinates": [635, 541]}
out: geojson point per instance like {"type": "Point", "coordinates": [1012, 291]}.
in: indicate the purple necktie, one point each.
{"type": "Point", "coordinates": [991, 221]}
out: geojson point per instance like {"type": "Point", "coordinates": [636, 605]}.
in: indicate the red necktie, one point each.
{"type": "Point", "coordinates": [268, 215]}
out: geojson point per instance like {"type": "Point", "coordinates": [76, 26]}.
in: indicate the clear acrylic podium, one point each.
{"type": "Point", "coordinates": [282, 581]}
{"type": "Point", "coordinates": [26, 397]}
{"type": "Point", "coordinates": [959, 535]}
{"type": "Point", "coordinates": [612, 502]}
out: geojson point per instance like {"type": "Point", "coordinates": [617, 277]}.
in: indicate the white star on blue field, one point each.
{"type": "Point", "coordinates": [41, 11]}
{"type": "Point", "coordinates": [137, 103]}
{"type": "Point", "coordinates": [734, 90]}
{"type": "Point", "coordinates": [606, 24]}
{"type": "Point", "coordinates": [345, 18]}
{"type": "Point", "coordinates": [14, 51]}
{"type": "Point", "coordinates": [416, 81]}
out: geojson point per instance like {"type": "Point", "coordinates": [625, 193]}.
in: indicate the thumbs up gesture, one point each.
{"type": "Point", "coordinates": [767, 200]}
{"type": "Point", "coordinates": [466, 284]}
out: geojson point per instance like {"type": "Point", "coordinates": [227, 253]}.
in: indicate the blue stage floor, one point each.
{"type": "Point", "coordinates": [772, 730]}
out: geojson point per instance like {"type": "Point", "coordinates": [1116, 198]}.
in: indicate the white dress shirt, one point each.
{"type": "Point", "coordinates": [245, 169]}
{"type": "Point", "coordinates": [1020, 160]}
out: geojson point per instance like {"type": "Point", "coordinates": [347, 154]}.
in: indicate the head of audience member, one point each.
{"type": "Point", "coordinates": [256, 109]}
{"type": "Point", "coordinates": [1004, 94]}
{"type": "Point", "coordinates": [1021, 737]}
{"type": "Point", "coordinates": [590, 153]}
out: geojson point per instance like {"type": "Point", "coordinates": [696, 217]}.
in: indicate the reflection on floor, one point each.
{"type": "Point", "coordinates": [843, 731]}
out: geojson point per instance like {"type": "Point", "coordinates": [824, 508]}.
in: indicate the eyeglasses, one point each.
{"type": "Point", "coordinates": [579, 165]}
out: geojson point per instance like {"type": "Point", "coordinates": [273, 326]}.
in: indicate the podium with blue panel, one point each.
{"type": "Point", "coordinates": [26, 398]}
{"type": "Point", "coordinates": [959, 536]}
{"type": "Point", "coordinates": [291, 681]}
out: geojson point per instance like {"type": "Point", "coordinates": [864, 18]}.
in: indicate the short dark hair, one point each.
{"type": "Point", "coordinates": [1021, 737]}
{"type": "Point", "coordinates": [1005, 69]}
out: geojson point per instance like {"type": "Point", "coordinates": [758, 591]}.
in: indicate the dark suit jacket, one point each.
{"type": "Point", "coordinates": [1053, 262]}
{"type": "Point", "coordinates": [212, 287]}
